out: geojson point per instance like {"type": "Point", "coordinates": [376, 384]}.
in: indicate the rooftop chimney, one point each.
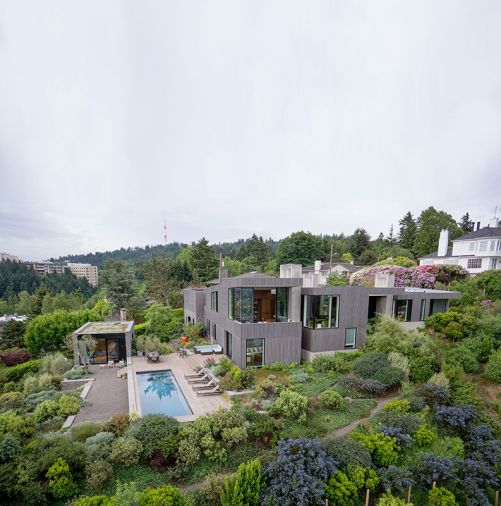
{"type": "Point", "coordinates": [478, 225]}
{"type": "Point", "coordinates": [443, 243]}
{"type": "Point", "coordinates": [123, 314]}
{"type": "Point", "coordinates": [223, 273]}
{"type": "Point", "coordinates": [318, 266]}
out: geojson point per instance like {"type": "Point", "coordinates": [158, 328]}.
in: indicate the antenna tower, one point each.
{"type": "Point", "coordinates": [165, 232]}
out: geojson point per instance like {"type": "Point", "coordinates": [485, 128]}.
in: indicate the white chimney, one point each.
{"type": "Point", "coordinates": [384, 280]}
{"type": "Point", "coordinates": [443, 243]}
{"type": "Point", "coordinates": [318, 266]}
{"type": "Point", "coordinates": [291, 271]}
{"type": "Point", "coordinates": [123, 314]}
{"type": "Point", "coordinates": [494, 222]}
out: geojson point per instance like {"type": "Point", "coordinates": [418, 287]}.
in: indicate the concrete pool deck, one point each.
{"type": "Point", "coordinates": [179, 367]}
{"type": "Point", "coordinates": [108, 396]}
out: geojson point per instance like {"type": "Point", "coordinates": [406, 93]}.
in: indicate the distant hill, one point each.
{"type": "Point", "coordinates": [133, 255]}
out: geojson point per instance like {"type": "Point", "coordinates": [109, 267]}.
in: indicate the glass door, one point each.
{"type": "Point", "coordinates": [112, 348]}
{"type": "Point", "coordinates": [99, 356]}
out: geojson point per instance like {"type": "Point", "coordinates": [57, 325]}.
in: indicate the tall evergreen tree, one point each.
{"type": "Point", "coordinates": [430, 223]}
{"type": "Point", "coordinates": [300, 248]}
{"type": "Point", "coordinates": [359, 242]}
{"type": "Point", "coordinates": [204, 262]}
{"type": "Point", "coordinates": [118, 280]}
{"type": "Point", "coordinates": [466, 224]}
{"type": "Point", "coordinates": [407, 233]}
{"type": "Point", "coordinates": [391, 239]}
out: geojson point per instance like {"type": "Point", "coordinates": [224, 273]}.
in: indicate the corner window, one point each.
{"type": "Point", "coordinates": [213, 301]}
{"type": "Point", "coordinates": [422, 310]}
{"type": "Point", "coordinates": [320, 311]}
{"type": "Point", "coordinates": [254, 352]}
{"type": "Point", "coordinates": [350, 337]}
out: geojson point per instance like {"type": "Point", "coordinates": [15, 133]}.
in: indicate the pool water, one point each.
{"type": "Point", "coordinates": [160, 393]}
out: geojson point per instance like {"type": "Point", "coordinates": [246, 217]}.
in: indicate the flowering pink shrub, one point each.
{"type": "Point", "coordinates": [414, 276]}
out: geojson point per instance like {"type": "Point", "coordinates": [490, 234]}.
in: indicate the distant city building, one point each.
{"type": "Point", "coordinates": [88, 271]}
{"type": "Point", "coordinates": [47, 267]}
{"type": "Point", "coordinates": [6, 256]}
{"type": "Point", "coordinates": [477, 251]}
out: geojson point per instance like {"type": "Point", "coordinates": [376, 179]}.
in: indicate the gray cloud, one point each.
{"type": "Point", "coordinates": [233, 117]}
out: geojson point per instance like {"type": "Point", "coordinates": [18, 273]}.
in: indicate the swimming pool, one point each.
{"type": "Point", "coordinates": [159, 392]}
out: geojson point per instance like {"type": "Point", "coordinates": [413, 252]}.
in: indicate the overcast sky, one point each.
{"type": "Point", "coordinates": [229, 118]}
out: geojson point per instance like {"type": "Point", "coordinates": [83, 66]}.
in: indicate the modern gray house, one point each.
{"type": "Point", "coordinates": [259, 319]}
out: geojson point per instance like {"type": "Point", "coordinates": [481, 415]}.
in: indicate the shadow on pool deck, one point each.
{"type": "Point", "coordinates": [108, 396]}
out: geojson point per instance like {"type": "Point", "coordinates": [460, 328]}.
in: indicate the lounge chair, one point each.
{"type": "Point", "coordinates": [199, 374]}
{"type": "Point", "coordinates": [211, 384]}
{"type": "Point", "coordinates": [215, 391]}
{"type": "Point", "coordinates": [204, 379]}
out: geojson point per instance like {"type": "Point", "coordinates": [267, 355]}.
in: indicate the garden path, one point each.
{"type": "Point", "coordinates": [343, 431]}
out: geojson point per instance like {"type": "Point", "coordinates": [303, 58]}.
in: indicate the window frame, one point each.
{"type": "Point", "coordinates": [247, 355]}
{"type": "Point", "coordinates": [353, 345]}
{"type": "Point", "coordinates": [214, 302]}
{"type": "Point", "coordinates": [308, 312]}
{"type": "Point", "coordinates": [476, 261]}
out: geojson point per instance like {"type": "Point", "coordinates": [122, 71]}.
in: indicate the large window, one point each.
{"type": "Point", "coordinates": [422, 310]}
{"type": "Point", "coordinates": [402, 310]}
{"type": "Point", "coordinates": [229, 344]}
{"type": "Point", "coordinates": [320, 311]}
{"type": "Point", "coordinates": [483, 245]}
{"type": "Point", "coordinates": [213, 301]}
{"type": "Point", "coordinates": [472, 246]}
{"type": "Point", "coordinates": [474, 263]}
{"type": "Point", "coordinates": [437, 306]}
{"type": "Point", "coordinates": [350, 337]}
{"type": "Point", "coordinates": [251, 305]}
{"type": "Point", "coordinates": [254, 352]}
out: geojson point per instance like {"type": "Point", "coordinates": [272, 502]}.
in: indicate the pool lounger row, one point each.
{"type": "Point", "coordinates": [215, 391]}
{"type": "Point", "coordinates": [211, 384]}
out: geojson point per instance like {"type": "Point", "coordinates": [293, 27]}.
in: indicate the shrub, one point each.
{"type": "Point", "coordinates": [16, 424]}
{"type": "Point", "coordinates": [440, 380]}
{"type": "Point", "coordinates": [422, 367]}
{"type": "Point", "coordinates": [407, 422]}
{"type": "Point", "coordinates": [331, 399]}
{"type": "Point", "coordinates": [376, 366]}
{"type": "Point", "coordinates": [56, 364]}
{"type": "Point", "coordinates": [299, 474]}
{"type": "Point", "coordinates": [400, 362]}
{"type": "Point", "coordinates": [490, 282]}
{"type": "Point", "coordinates": [292, 405]}
{"type": "Point", "coordinates": [99, 446]}
{"type": "Point", "coordinates": [424, 436]}
{"type": "Point", "coordinates": [14, 357]}
{"type": "Point", "coordinates": [168, 446]}
{"type": "Point", "coordinates": [61, 482]}
{"type": "Point", "coordinates": [387, 499]}
{"type": "Point", "coordinates": [17, 372]}
{"type": "Point", "coordinates": [10, 400]}
{"type": "Point", "coordinates": [95, 500]}
{"type": "Point", "coordinates": [300, 377]}
{"type": "Point", "coordinates": [46, 410]}
{"type": "Point", "coordinates": [10, 447]}
{"type": "Point", "coordinates": [324, 363]}
{"type": "Point", "coordinates": [83, 431]}
{"type": "Point", "coordinates": [150, 429]}
{"type": "Point", "coordinates": [126, 451]}
{"type": "Point", "coordinates": [369, 386]}
{"type": "Point", "coordinates": [493, 367]}
{"type": "Point", "coordinates": [441, 497]}
{"type": "Point", "coordinates": [34, 384]}
{"type": "Point", "coordinates": [232, 436]}
{"type": "Point", "coordinates": [118, 424]}
{"type": "Point", "coordinates": [433, 468]}
{"type": "Point", "coordinates": [98, 472]}
{"type": "Point", "coordinates": [266, 389]}
{"type": "Point", "coordinates": [434, 394]}
{"type": "Point", "coordinates": [455, 417]}
{"type": "Point", "coordinates": [398, 406]}
{"type": "Point", "coordinates": [187, 453]}
{"type": "Point", "coordinates": [481, 347]}
{"type": "Point", "coordinates": [462, 356]}
{"type": "Point", "coordinates": [348, 452]}
{"type": "Point", "coordinates": [384, 449]}
{"type": "Point", "coordinates": [76, 372]}
{"type": "Point", "coordinates": [394, 479]}
{"type": "Point", "coordinates": [126, 494]}
{"type": "Point", "coordinates": [244, 487]}
{"type": "Point", "coordinates": [163, 496]}
{"type": "Point", "coordinates": [341, 490]}
{"type": "Point", "coordinates": [68, 405]}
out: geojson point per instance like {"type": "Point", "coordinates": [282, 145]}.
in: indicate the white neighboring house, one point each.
{"type": "Point", "coordinates": [477, 251]}
{"type": "Point", "coordinates": [317, 274]}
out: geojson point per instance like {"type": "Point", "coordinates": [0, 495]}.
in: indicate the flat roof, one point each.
{"type": "Point", "coordinates": [115, 327]}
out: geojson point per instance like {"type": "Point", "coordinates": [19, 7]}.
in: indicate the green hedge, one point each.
{"type": "Point", "coordinates": [17, 372]}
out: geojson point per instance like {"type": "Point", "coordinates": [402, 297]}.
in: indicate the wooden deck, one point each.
{"type": "Point", "coordinates": [179, 366]}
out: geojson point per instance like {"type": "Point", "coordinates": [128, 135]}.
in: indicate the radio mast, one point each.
{"type": "Point", "coordinates": [165, 232]}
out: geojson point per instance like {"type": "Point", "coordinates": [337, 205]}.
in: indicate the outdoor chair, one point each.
{"type": "Point", "coordinates": [215, 391]}
{"type": "Point", "coordinates": [204, 379]}
{"type": "Point", "coordinates": [211, 384]}
{"type": "Point", "coordinates": [199, 374]}
{"type": "Point", "coordinates": [111, 363]}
